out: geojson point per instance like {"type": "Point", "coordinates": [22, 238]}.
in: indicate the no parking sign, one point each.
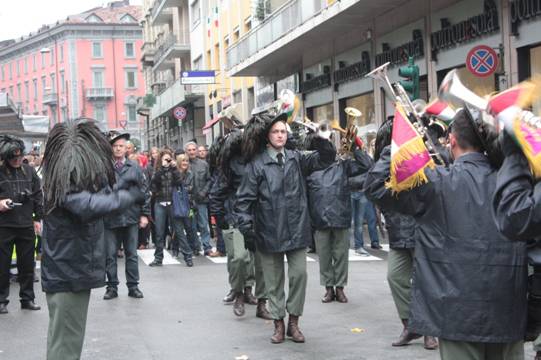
{"type": "Point", "coordinates": [180, 113]}
{"type": "Point", "coordinates": [482, 61]}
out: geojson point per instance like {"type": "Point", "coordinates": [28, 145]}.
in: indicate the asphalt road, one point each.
{"type": "Point", "coordinates": [182, 317]}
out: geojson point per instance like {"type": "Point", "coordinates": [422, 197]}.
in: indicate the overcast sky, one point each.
{"type": "Point", "coordinates": [20, 17]}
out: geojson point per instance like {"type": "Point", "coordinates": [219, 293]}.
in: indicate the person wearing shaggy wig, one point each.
{"type": "Point", "coordinates": [79, 191]}
{"type": "Point", "coordinates": [273, 216]}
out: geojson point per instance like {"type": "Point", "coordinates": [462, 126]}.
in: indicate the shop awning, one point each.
{"type": "Point", "coordinates": [232, 112]}
{"type": "Point", "coordinates": [212, 122]}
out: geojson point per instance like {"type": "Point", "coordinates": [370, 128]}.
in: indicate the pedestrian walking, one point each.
{"type": "Point", "coordinates": [21, 195]}
{"type": "Point", "coordinates": [122, 228]}
{"type": "Point", "coordinates": [78, 177]}
{"type": "Point", "coordinates": [272, 210]}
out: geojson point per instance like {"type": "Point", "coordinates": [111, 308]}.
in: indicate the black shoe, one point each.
{"type": "Point", "coordinates": [135, 293]}
{"type": "Point", "coordinates": [110, 294]}
{"type": "Point", "coordinates": [175, 253]}
{"type": "Point", "coordinates": [376, 246]}
{"type": "Point", "coordinates": [208, 252]}
{"type": "Point", "coordinates": [30, 305]}
{"type": "Point", "coordinates": [3, 308]}
{"type": "Point", "coordinates": [155, 263]}
{"type": "Point", "coordinates": [189, 262]}
{"type": "Point", "coordinates": [229, 298]}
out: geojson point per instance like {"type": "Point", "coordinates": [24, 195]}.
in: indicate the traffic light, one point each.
{"type": "Point", "coordinates": [411, 74]}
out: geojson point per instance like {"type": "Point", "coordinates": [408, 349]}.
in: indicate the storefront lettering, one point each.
{"type": "Point", "coordinates": [473, 27]}
{"type": "Point", "coordinates": [353, 71]}
{"type": "Point", "coordinates": [316, 83]}
{"type": "Point", "coordinates": [523, 10]}
{"type": "Point", "coordinates": [400, 54]}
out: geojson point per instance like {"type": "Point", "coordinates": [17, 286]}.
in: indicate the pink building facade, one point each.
{"type": "Point", "coordinates": [85, 66]}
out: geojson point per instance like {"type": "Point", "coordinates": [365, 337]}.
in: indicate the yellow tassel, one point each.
{"type": "Point", "coordinates": [407, 152]}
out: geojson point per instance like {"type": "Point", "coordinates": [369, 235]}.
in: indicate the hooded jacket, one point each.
{"type": "Point", "coordinates": [469, 282]}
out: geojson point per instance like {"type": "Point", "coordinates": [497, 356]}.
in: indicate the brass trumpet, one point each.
{"type": "Point", "coordinates": [350, 132]}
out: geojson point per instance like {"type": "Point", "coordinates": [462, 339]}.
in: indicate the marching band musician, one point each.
{"type": "Point", "coordinates": [243, 265]}
{"type": "Point", "coordinates": [518, 216]}
{"type": "Point", "coordinates": [330, 212]}
{"type": "Point", "coordinates": [272, 210]}
{"type": "Point", "coordinates": [469, 284]}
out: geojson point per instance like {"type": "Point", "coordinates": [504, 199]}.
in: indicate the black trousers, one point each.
{"type": "Point", "coordinates": [24, 241]}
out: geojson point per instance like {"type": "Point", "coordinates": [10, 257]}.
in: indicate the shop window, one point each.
{"type": "Point", "coordinates": [322, 113]}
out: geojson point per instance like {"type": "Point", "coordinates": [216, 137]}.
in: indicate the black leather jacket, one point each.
{"type": "Point", "coordinates": [73, 239]}
{"type": "Point", "coordinates": [272, 200]}
{"type": "Point", "coordinates": [131, 172]}
{"type": "Point", "coordinates": [469, 282]}
{"type": "Point", "coordinates": [21, 185]}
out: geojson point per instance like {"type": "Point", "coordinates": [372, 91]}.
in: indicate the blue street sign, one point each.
{"type": "Point", "coordinates": [197, 77]}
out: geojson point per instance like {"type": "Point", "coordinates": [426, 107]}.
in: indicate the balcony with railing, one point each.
{"type": "Point", "coordinates": [297, 27]}
{"type": "Point", "coordinates": [50, 97]}
{"type": "Point", "coordinates": [161, 11]}
{"type": "Point", "coordinates": [99, 93]}
{"type": "Point", "coordinates": [174, 95]}
{"type": "Point", "coordinates": [170, 48]}
{"type": "Point", "coordinates": [147, 53]}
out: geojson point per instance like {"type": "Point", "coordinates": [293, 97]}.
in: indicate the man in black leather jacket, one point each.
{"type": "Point", "coordinates": [122, 228]}
{"type": "Point", "coordinates": [20, 189]}
{"type": "Point", "coordinates": [272, 210]}
{"type": "Point", "coordinates": [518, 215]}
{"type": "Point", "coordinates": [78, 175]}
{"type": "Point", "coordinates": [469, 283]}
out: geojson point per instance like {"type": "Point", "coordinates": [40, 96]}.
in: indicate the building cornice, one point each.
{"type": "Point", "coordinates": [70, 31]}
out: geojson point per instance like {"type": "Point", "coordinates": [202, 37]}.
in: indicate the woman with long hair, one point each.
{"type": "Point", "coordinates": [165, 181]}
{"type": "Point", "coordinates": [185, 235]}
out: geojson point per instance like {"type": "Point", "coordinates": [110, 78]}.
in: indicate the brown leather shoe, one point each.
{"type": "Point", "coordinates": [216, 254]}
{"type": "Point", "coordinates": [329, 295]}
{"type": "Point", "coordinates": [340, 295]}
{"type": "Point", "coordinates": [249, 298]}
{"type": "Point", "coordinates": [293, 330]}
{"type": "Point", "coordinates": [238, 306]}
{"type": "Point", "coordinates": [261, 311]}
{"type": "Point", "coordinates": [279, 332]}
{"type": "Point", "coordinates": [405, 337]}
{"type": "Point", "coordinates": [431, 343]}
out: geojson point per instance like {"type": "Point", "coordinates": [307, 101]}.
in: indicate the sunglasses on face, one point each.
{"type": "Point", "coordinates": [168, 160]}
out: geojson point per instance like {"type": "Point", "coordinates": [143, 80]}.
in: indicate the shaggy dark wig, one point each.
{"type": "Point", "coordinates": [255, 133]}
{"type": "Point", "coordinates": [214, 153]}
{"type": "Point", "coordinates": [9, 145]}
{"type": "Point", "coordinates": [232, 147]}
{"type": "Point", "coordinates": [78, 157]}
{"type": "Point", "coordinates": [383, 137]}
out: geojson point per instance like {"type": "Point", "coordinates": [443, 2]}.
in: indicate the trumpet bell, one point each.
{"type": "Point", "coordinates": [452, 90]}
{"type": "Point", "coordinates": [379, 72]}
{"type": "Point", "coordinates": [335, 125]}
{"type": "Point", "coordinates": [353, 112]}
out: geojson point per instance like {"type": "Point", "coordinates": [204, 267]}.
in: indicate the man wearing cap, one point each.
{"type": "Point", "coordinates": [21, 205]}
{"type": "Point", "coordinates": [272, 214]}
{"type": "Point", "coordinates": [122, 227]}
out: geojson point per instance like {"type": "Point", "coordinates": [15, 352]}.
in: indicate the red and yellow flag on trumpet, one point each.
{"type": "Point", "coordinates": [409, 155]}
{"type": "Point", "coordinates": [507, 107]}
{"type": "Point", "coordinates": [440, 110]}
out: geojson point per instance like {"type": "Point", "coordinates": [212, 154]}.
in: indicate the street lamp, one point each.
{"type": "Point", "coordinates": [46, 50]}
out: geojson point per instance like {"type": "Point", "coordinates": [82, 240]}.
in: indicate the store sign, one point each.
{"type": "Point", "coordinates": [400, 54]}
{"type": "Point", "coordinates": [482, 61]}
{"type": "Point", "coordinates": [353, 71]}
{"type": "Point", "coordinates": [197, 77]}
{"type": "Point", "coordinates": [316, 83]}
{"type": "Point", "coordinates": [523, 10]}
{"type": "Point", "coordinates": [474, 27]}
